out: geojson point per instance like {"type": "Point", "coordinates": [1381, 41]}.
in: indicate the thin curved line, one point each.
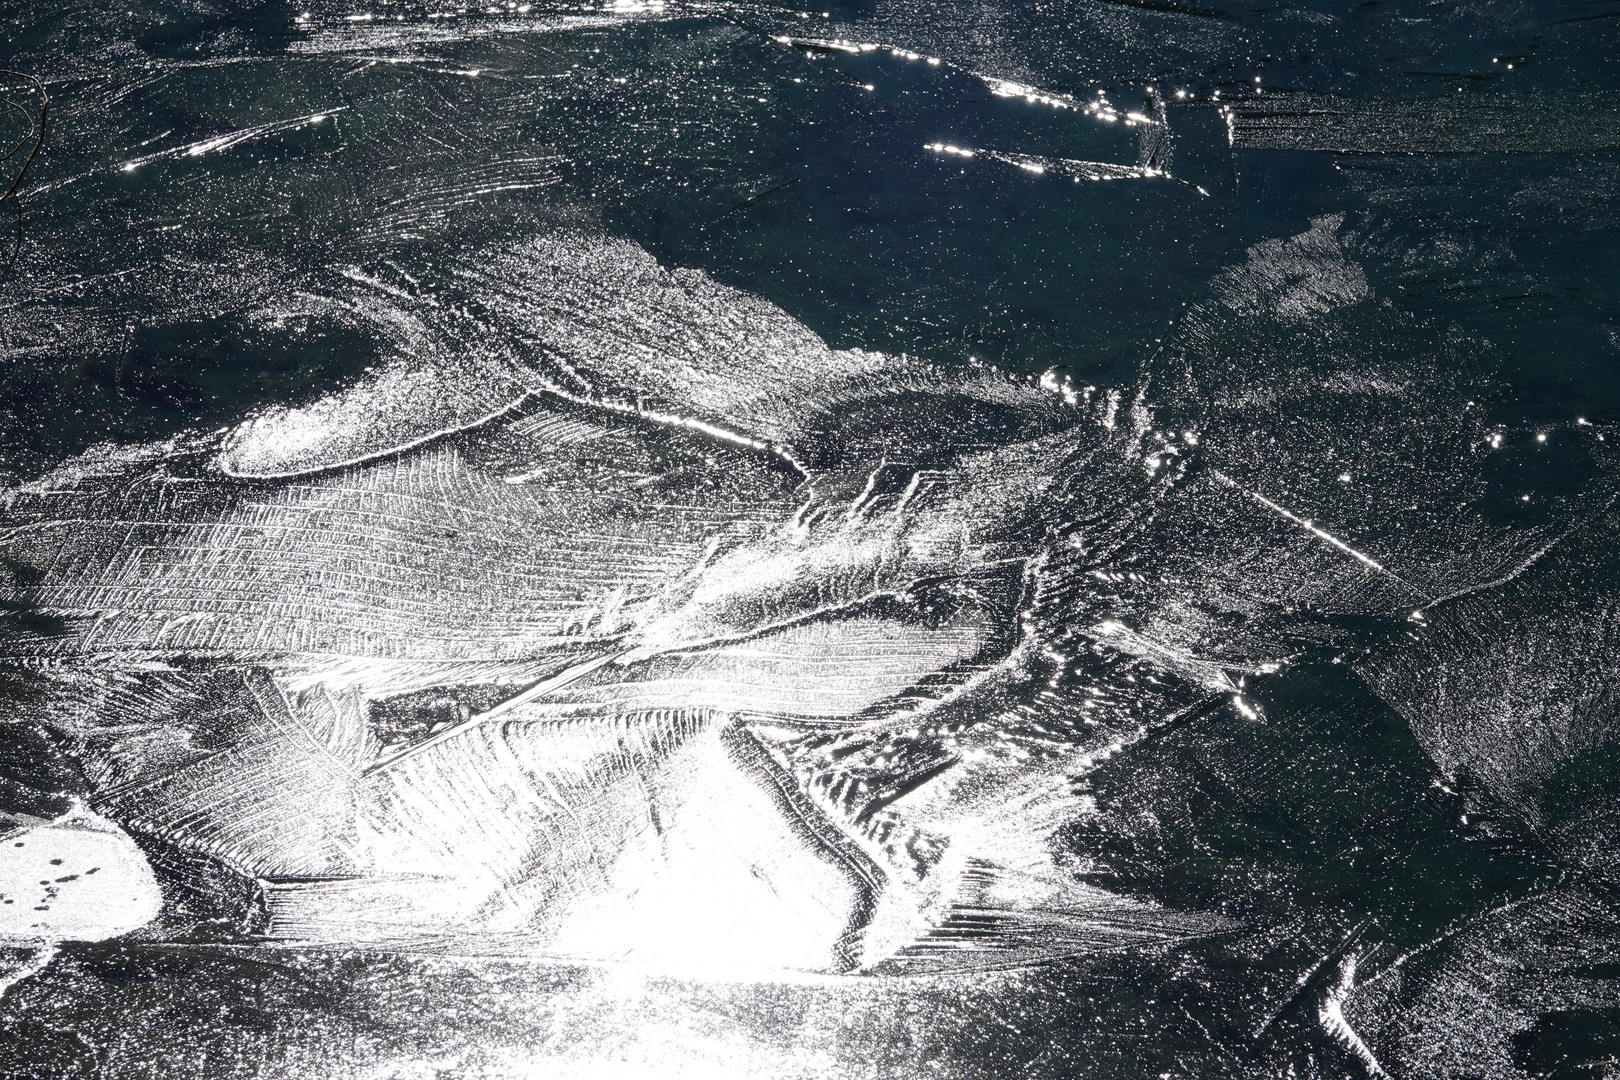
{"type": "Point", "coordinates": [38, 134]}
{"type": "Point", "coordinates": [22, 142]}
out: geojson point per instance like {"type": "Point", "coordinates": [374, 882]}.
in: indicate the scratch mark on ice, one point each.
{"type": "Point", "coordinates": [1331, 1014]}
{"type": "Point", "coordinates": [1320, 534]}
{"type": "Point", "coordinates": [538, 690]}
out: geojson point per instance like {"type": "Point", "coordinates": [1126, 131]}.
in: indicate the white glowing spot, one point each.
{"type": "Point", "coordinates": [1541, 436]}
{"type": "Point", "coordinates": [1583, 421]}
{"type": "Point", "coordinates": [1247, 711]}
{"type": "Point", "coordinates": [1524, 498]}
{"type": "Point", "coordinates": [130, 166]}
{"type": "Point", "coordinates": [1416, 616]}
{"type": "Point", "coordinates": [1344, 478]}
{"type": "Point", "coordinates": [1496, 441]}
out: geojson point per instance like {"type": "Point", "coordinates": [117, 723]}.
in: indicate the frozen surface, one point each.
{"type": "Point", "coordinates": [729, 540]}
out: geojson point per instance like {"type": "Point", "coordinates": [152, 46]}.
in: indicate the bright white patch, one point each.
{"type": "Point", "coordinates": [79, 878]}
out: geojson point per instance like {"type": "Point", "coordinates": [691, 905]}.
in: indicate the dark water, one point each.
{"type": "Point", "coordinates": [1369, 259]}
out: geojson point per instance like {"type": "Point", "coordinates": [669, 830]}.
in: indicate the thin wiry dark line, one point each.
{"type": "Point", "coordinates": [744, 205]}
{"type": "Point", "coordinates": [38, 134]}
{"type": "Point", "coordinates": [22, 142]}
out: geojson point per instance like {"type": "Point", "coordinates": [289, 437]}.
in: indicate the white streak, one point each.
{"type": "Point", "coordinates": [1331, 1015]}
{"type": "Point", "coordinates": [232, 138]}
{"type": "Point", "coordinates": [538, 690]}
{"type": "Point", "coordinates": [1311, 528]}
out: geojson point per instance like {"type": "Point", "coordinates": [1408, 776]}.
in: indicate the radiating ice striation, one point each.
{"type": "Point", "coordinates": [515, 648]}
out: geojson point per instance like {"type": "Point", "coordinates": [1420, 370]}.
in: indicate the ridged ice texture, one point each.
{"type": "Point", "coordinates": [693, 512]}
{"type": "Point", "coordinates": [724, 529]}
{"type": "Point", "coordinates": [576, 316]}
{"type": "Point", "coordinates": [682, 664]}
{"type": "Point", "coordinates": [431, 557]}
{"type": "Point", "coordinates": [593, 833]}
